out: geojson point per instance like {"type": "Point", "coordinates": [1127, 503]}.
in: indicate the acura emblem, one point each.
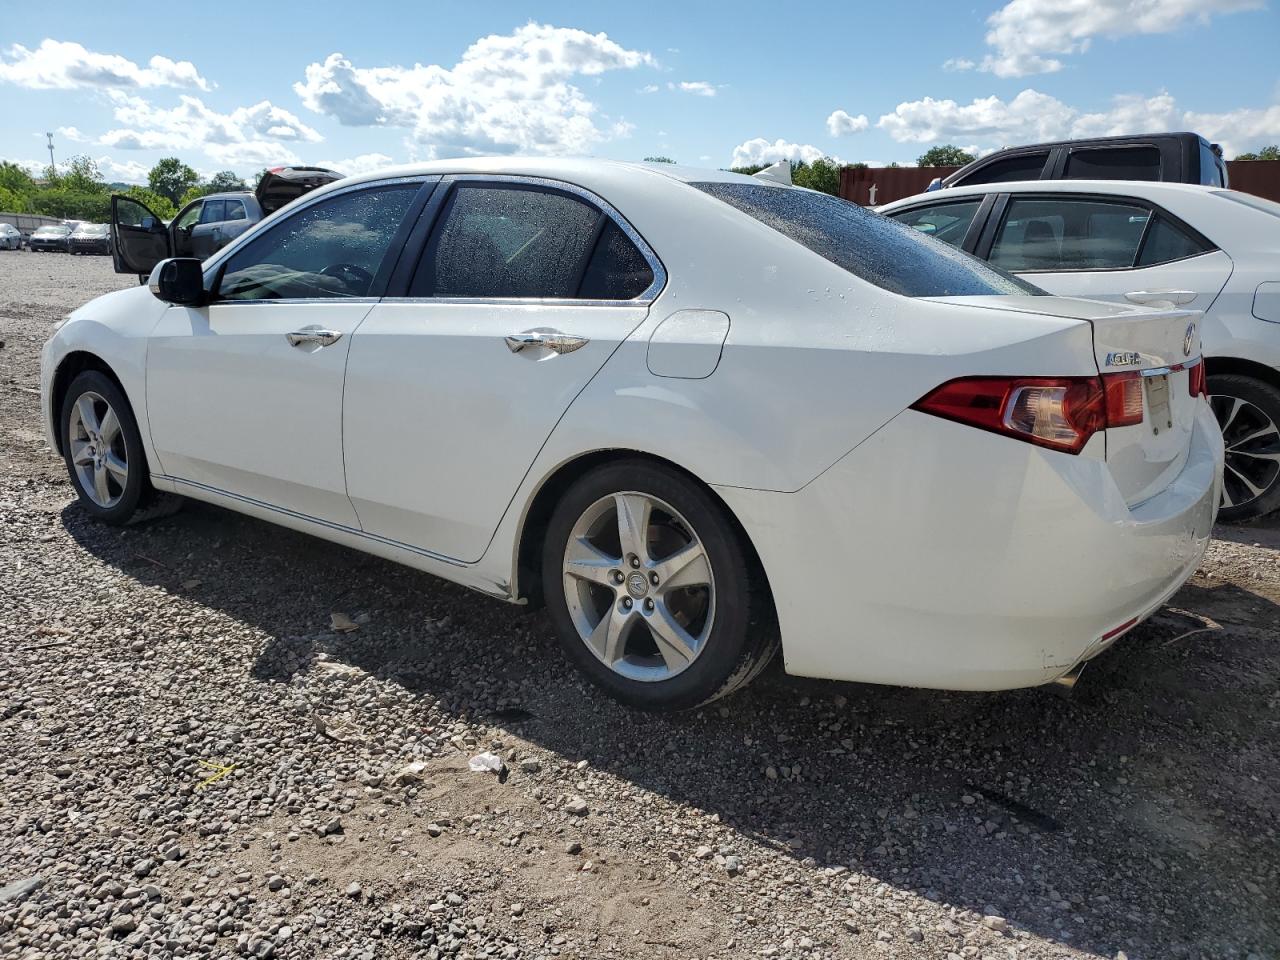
{"type": "Point", "coordinates": [1189, 340]}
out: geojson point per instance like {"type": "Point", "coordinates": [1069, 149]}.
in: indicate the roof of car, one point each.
{"type": "Point", "coordinates": [1126, 188]}
{"type": "Point", "coordinates": [587, 172]}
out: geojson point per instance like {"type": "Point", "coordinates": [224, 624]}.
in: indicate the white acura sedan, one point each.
{"type": "Point", "coordinates": [692, 412]}
{"type": "Point", "coordinates": [1204, 248]}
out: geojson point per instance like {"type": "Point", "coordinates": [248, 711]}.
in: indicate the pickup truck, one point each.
{"type": "Point", "coordinates": [140, 239]}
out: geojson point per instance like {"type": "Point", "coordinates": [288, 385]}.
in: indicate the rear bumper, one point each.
{"type": "Point", "coordinates": [936, 555]}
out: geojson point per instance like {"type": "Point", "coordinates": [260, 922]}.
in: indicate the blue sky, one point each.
{"type": "Point", "coordinates": [707, 84]}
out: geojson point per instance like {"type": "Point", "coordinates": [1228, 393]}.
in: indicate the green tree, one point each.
{"type": "Point", "coordinates": [945, 155]}
{"type": "Point", "coordinates": [1266, 153]}
{"type": "Point", "coordinates": [13, 202]}
{"type": "Point", "coordinates": [822, 175]}
{"type": "Point", "coordinates": [171, 178]}
{"type": "Point", "coordinates": [749, 169]}
{"type": "Point", "coordinates": [15, 178]}
{"type": "Point", "coordinates": [160, 205]}
{"type": "Point", "coordinates": [225, 181]}
{"type": "Point", "coordinates": [81, 174]}
{"type": "Point", "coordinates": [658, 160]}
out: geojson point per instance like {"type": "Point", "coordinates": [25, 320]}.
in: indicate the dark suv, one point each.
{"type": "Point", "coordinates": [140, 239]}
{"type": "Point", "coordinates": [1171, 157]}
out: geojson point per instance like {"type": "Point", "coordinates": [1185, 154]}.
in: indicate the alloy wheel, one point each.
{"type": "Point", "coordinates": [639, 586]}
{"type": "Point", "coordinates": [97, 449]}
{"type": "Point", "coordinates": [1252, 441]}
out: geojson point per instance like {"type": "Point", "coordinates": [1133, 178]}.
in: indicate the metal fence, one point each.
{"type": "Point", "coordinates": [872, 186]}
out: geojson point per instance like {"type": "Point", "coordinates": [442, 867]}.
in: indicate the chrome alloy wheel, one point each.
{"type": "Point", "coordinates": [1252, 450]}
{"type": "Point", "coordinates": [639, 586]}
{"type": "Point", "coordinates": [98, 453]}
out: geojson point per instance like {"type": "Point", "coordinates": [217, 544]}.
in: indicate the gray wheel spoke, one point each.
{"type": "Point", "coordinates": [608, 639]}
{"type": "Point", "coordinates": [88, 416]}
{"type": "Point", "coordinates": [80, 454]}
{"type": "Point", "coordinates": [1269, 430]}
{"type": "Point", "coordinates": [633, 523]}
{"type": "Point", "coordinates": [109, 429]}
{"type": "Point", "coordinates": [100, 488]}
{"type": "Point", "coordinates": [1249, 484]}
{"type": "Point", "coordinates": [674, 643]}
{"type": "Point", "coordinates": [687, 567]}
{"type": "Point", "coordinates": [1273, 457]}
{"type": "Point", "coordinates": [117, 467]}
{"type": "Point", "coordinates": [586, 562]}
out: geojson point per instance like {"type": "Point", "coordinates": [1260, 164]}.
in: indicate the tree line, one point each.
{"type": "Point", "coordinates": [77, 190]}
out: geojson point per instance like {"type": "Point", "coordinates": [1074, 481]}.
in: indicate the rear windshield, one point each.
{"type": "Point", "coordinates": [874, 248]}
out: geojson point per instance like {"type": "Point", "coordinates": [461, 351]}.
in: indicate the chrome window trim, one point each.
{"type": "Point", "coordinates": [644, 298]}
{"type": "Point", "coordinates": [306, 201]}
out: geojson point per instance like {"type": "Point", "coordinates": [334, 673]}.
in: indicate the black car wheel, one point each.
{"type": "Point", "coordinates": [1248, 411]}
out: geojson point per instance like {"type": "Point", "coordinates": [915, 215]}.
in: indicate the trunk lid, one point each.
{"type": "Point", "coordinates": [279, 185]}
{"type": "Point", "coordinates": [1162, 345]}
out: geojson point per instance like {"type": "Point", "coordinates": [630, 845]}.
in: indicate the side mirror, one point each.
{"type": "Point", "coordinates": [179, 280]}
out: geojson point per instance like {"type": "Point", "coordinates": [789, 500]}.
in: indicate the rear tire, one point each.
{"type": "Point", "coordinates": [102, 448]}
{"type": "Point", "coordinates": [1248, 411]}
{"type": "Point", "coordinates": [669, 615]}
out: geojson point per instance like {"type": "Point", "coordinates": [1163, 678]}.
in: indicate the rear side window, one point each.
{"type": "Point", "coordinates": [1027, 166]}
{"type": "Point", "coordinates": [1114, 163]}
{"type": "Point", "coordinates": [1166, 241]}
{"type": "Point", "coordinates": [876, 249]}
{"type": "Point", "coordinates": [235, 210]}
{"type": "Point", "coordinates": [1068, 234]}
{"type": "Point", "coordinates": [505, 241]}
{"type": "Point", "coordinates": [948, 222]}
{"type": "Point", "coordinates": [616, 270]}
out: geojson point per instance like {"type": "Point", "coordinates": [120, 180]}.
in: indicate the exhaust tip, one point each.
{"type": "Point", "coordinates": [1066, 684]}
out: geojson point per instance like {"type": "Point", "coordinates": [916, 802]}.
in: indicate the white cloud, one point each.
{"type": "Point", "coordinates": [71, 133]}
{"type": "Point", "coordinates": [63, 65]}
{"type": "Point", "coordinates": [650, 88]}
{"type": "Point", "coordinates": [1030, 35]}
{"type": "Point", "coordinates": [248, 136]}
{"type": "Point", "coordinates": [697, 87]}
{"type": "Point", "coordinates": [752, 152]}
{"type": "Point", "coordinates": [840, 123]}
{"type": "Point", "coordinates": [127, 171]}
{"type": "Point", "coordinates": [957, 64]}
{"type": "Point", "coordinates": [1032, 116]}
{"type": "Point", "coordinates": [507, 92]}
{"type": "Point", "coordinates": [357, 166]}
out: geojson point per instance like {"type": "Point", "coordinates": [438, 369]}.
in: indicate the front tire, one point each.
{"type": "Point", "coordinates": [1248, 411]}
{"type": "Point", "coordinates": [651, 588]}
{"type": "Point", "coordinates": [103, 448]}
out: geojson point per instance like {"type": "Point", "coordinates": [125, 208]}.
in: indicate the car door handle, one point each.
{"type": "Point", "coordinates": [550, 340]}
{"type": "Point", "coordinates": [321, 337]}
{"type": "Point", "coordinates": [1161, 296]}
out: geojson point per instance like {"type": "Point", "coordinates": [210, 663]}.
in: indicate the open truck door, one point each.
{"type": "Point", "coordinates": [139, 239]}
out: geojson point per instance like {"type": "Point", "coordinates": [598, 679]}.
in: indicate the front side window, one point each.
{"type": "Point", "coordinates": [332, 248]}
{"type": "Point", "coordinates": [948, 222]}
{"type": "Point", "coordinates": [514, 241]}
{"type": "Point", "coordinates": [189, 216]}
{"type": "Point", "coordinates": [874, 248]}
{"type": "Point", "coordinates": [212, 212]}
{"type": "Point", "coordinates": [1114, 163]}
{"type": "Point", "coordinates": [1026, 166]}
{"type": "Point", "coordinates": [1068, 234]}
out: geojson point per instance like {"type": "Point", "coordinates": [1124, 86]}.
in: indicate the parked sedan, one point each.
{"type": "Point", "coordinates": [54, 238]}
{"type": "Point", "coordinates": [692, 412]}
{"type": "Point", "coordinates": [90, 238]}
{"type": "Point", "coordinates": [10, 237]}
{"type": "Point", "coordinates": [1152, 243]}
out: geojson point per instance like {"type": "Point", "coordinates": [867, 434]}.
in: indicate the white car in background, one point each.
{"type": "Point", "coordinates": [688, 410]}
{"type": "Point", "coordinates": [1200, 247]}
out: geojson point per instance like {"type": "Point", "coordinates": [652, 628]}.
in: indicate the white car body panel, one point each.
{"type": "Point", "coordinates": [899, 547]}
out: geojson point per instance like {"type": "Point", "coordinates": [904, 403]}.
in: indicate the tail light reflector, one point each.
{"type": "Point", "coordinates": [1196, 382]}
{"type": "Point", "coordinates": [1124, 398]}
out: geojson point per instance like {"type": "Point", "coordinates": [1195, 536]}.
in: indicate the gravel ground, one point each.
{"type": "Point", "coordinates": [196, 761]}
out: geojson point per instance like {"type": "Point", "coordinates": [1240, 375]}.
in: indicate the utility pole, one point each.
{"type": "Point", "coordinates": [52, 166]}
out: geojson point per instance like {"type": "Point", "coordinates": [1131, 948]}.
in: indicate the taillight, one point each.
{"type": "Point", "coordinates": [1196, 383]}
{"type": "Point", "coordinates": [1060, 413]}
{"type": "Point", "coordinates": [1124, 398]}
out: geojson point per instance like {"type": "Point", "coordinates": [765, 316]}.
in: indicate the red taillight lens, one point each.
{"type": "Point", "coordinates": [1124, 398]}
{"type": "Point", "coordinates": [1196, 383]}
{"type": "Point", "coordinates": [1061, 413]}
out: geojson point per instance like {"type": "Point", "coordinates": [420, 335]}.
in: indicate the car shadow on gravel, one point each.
{"type": "Point", "coordinates": [1114, 820]}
